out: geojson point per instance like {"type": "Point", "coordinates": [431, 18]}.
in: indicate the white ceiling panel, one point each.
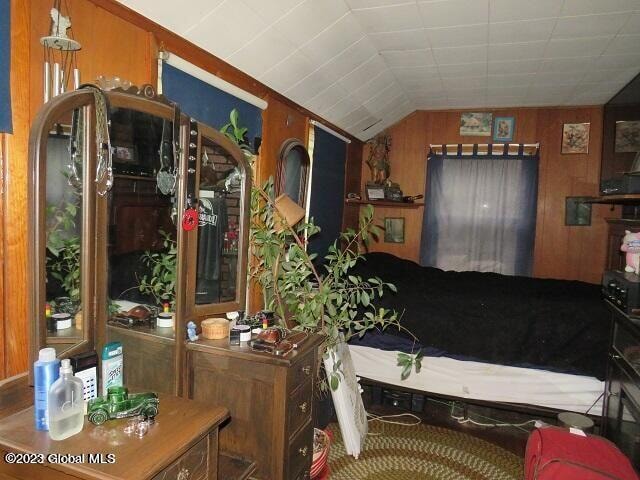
{"type": "Point", "coordinates": [262, 53]}
{"type": "Point", "coordinates": [370, 69]}
{"type": "Point", "coordinates": [268, 11]}
{"type": "Point", "coordinates": [589, 25]}
{"type": "Point", "coordinates": [516, 51]}
{"type": "Point", "coordinates": [458, 36]}
{"type": "Point", "coordinates": [370, 88]}
{"type": "Point", "coordinates": [521, 31]}
{"type": "Point", "coordinates": [335, 38]}
{"type": "Point", "coordinates": [167, 10]}
{"type": "Point", "coordinates": [401, 40]}
{"type": "Point", "coordinates": [457, 55]}
{"type": "Point", "coordinates": [307, 19]}
{"type": "Point", "coordinates": [510, 10]}
{"type": "Point", "coordinates": [389, 19]}
{"type": "Point", "coordinates": [355, 62]}
{"type": "Point", "coordinates": [408, 58]}
{"type": "Point", "coordinates": [449, 13]}
{"type": "Point", "coordinates": [588, 7]}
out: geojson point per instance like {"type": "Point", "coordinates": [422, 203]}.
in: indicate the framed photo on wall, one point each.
{"type": "Point", "coordinates": [503, 128]}
{"type": "Point", "coordinates": [394, 229]}
{"type": "Point", "coordinates": [627, 137]}
{"type": "Point", "coordinates": [577, 212]}
{"type": "Point", "coordinates": [476, 124]}
{"type": "Point", "coordinates": [575, 138]}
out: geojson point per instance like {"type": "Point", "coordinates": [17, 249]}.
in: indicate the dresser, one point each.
{"type": "Point", "coordinates": [269, 398]}
{"type": "Point", "coordinates": [621, 413]}
{"type": "Point", "coordinates": [182, 444]}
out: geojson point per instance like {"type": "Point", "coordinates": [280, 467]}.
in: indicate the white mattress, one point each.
{"type": "Point", "coordinates": [484, 381]}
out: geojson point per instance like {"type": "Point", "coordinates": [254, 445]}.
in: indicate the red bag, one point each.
{"type": "Point", "coordinates": [556, 454]}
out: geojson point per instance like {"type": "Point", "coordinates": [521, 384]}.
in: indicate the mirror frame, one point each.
{"type": "Point", "coordinates": [36, 282]}
{"type": "Point", "coordinates": [94, 258]}
{"type": "Point", "coordinates": [281, 169]}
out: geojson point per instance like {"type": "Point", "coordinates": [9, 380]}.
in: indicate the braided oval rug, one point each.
{"type": "Point", "coordinates": [395, 452]}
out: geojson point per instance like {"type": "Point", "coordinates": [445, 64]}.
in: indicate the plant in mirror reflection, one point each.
{"type": "Point", "coordinates": [161, 282]}
{"type": "Point", "coordinates": [63, 243]}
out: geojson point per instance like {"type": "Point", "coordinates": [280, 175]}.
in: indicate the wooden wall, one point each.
{"type": "Point", "coordinates": [560, 251]}
{"type": "Point", "coordinates": [115, 42]}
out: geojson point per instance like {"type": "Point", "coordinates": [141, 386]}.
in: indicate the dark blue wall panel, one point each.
{"type": "Point", "coordinates": [208, 104]}
{"type": "Point", "coordinates": [5, 63]}
{"type": "Point", "coordinates": [327, 189]}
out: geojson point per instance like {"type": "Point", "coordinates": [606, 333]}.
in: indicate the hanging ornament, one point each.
{"type": "Point", "coordinates": [59, 49]}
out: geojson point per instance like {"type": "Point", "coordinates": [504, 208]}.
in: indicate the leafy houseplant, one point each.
{"type": "Point", "coordinates": [325, 299]}
{"type": "Point", "coordinates": [234, 132]}
{"type": "Point", "coordinates": [63, 245]}
{"type": "Point", "coordinates": [161, 282]}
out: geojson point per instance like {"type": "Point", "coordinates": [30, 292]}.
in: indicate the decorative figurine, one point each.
{"type": "Point", "coordinates": [119, 404]}
{"type": "Point", "coordinates": [191, 332]}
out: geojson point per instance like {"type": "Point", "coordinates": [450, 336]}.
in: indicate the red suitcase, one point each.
{"type": "Point", "coordinates": [556, 454]}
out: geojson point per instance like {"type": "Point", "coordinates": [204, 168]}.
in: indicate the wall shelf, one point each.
{"type": "Point", "coordinates": [384, 203]}
{"type": "Point", "coordinates": [628, 199]}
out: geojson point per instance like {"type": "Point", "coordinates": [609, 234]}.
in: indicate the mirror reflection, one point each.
{"type": "Point", "coordinates": [292, 169]}
{"type": "Point", "coordinates": [141, 247]}
{"type": "Point", "coordinates": [63, 214]}
{"type": "Point", "coordinates": [220, 190]}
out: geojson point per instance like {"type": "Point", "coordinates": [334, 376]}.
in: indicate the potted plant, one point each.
{"type": "Point", "coordinates": [161, 282]}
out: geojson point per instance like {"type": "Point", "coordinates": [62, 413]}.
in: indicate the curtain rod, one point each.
{"type": "Point", "coordinates": [315, 123]}
{"type": "Point", "coordinates": [207, 77]}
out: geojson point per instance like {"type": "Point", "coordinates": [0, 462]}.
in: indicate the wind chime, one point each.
{"type": "Point", "coordinates": [59, 50]}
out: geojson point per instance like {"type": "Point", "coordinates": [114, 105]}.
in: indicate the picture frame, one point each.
{"type": "Point", "coordinates": [577, 212]}
{"type": "Point", "coordinates": [476, 124]}
{"type": "Point", "coordinates": [627, 137]}
{"type": "Point", "coordinates": [575, 138]}
{"type": "Point", "coordinates": [394, 229]}
{"type": "Point", "coordinates": [503, 129]}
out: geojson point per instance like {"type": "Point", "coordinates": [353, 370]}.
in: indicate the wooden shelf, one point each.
{"type": "Point", "coordinates": [385, 203]}
{"type": "Point", "coordinates": [629, 199]}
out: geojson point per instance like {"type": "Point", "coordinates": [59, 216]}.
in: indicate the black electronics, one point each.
{"type": "Point", "coordinates": [85, 367]}
{"type": "Point", "coordinates": [620, 185]}
{"type": "Point", "coordinates": [623, 290]}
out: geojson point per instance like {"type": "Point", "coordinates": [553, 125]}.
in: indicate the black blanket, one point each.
{"type": "Point", "coordinates": [557, 325]}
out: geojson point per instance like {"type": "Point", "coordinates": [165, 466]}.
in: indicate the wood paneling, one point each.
{"type": "Point", "coordinates": [14, 198]}
{"type": "Point", "coordinates": [560, 252]}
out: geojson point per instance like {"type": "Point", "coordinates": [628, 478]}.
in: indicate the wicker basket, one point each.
{"type": "Point", "coordinates": [215, 328]}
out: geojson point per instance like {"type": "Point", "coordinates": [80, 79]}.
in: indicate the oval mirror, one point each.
{"type": "Point", "coordinates": [292, 171]}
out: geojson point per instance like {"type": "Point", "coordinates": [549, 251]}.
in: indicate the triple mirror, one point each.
{"type": "Point", "coordinates": [110, 248]}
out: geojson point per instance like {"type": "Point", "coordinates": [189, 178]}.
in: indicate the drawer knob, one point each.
{"type": "Point", "coordinates": [183, 474]}
{"type": "Point", "coordinates": [306, 369]}
{"type": "Point", "coordinates": [303, 407]}
{"type": "Point", "coordinates": [303, 451]}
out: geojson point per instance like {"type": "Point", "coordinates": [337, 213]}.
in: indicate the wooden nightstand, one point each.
{"type": "Point", "coordinates": [269, 399]}
{"type": "Point", "coordinates": [181, 445]}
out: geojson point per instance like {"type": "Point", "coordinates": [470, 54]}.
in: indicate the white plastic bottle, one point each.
{"type": "Point", "coordinates": [66, 406]}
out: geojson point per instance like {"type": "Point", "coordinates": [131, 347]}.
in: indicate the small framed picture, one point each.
{"type": "Point", "coordinates": [627, 137]}
{"type": "Point", "coordinates": [575, 138]}
{"type": "Point", "coordinates": [394, 229]}
{"type": "Point", "coordinates": [503, 128]}
{"type": "Point", "coordinates": [577, 212]}
{"type": "Point", "coordinates": [476, 124]}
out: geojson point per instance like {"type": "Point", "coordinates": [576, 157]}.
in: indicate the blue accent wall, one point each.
{"type": "Point", "coordinates": [327, 190]}
{"type": "Point", "coordinates": [208, 104]}
{"type": "Point", "coordinates": [5, 64]}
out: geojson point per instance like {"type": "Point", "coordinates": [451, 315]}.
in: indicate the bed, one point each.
{"type": "Point", "coordinates": [490, 337]}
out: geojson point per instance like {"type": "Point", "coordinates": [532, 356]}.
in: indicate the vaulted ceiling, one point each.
{"type": "Point", "coordinates": [360, 63]}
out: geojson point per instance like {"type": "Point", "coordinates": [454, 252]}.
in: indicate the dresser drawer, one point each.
{"type": "Point", "coordinates": [193, 465]}
{"type": "Point", "coordinates": [299, 407]}
{"type": "Point", "coordinates": [301, 453]}
{"type": "Point", "coordinates": [300, 372]}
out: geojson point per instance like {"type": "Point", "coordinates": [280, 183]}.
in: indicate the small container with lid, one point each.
{"type": "Point", "coordinates": [62, 320]}
{"type": "Point", "coordinates": [164, 320]}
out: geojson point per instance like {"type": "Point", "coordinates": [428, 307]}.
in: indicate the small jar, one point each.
{"type": "Point", "coordinates": [62, 320]}
{"type": "Point", "coordinates": [165, 320]}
